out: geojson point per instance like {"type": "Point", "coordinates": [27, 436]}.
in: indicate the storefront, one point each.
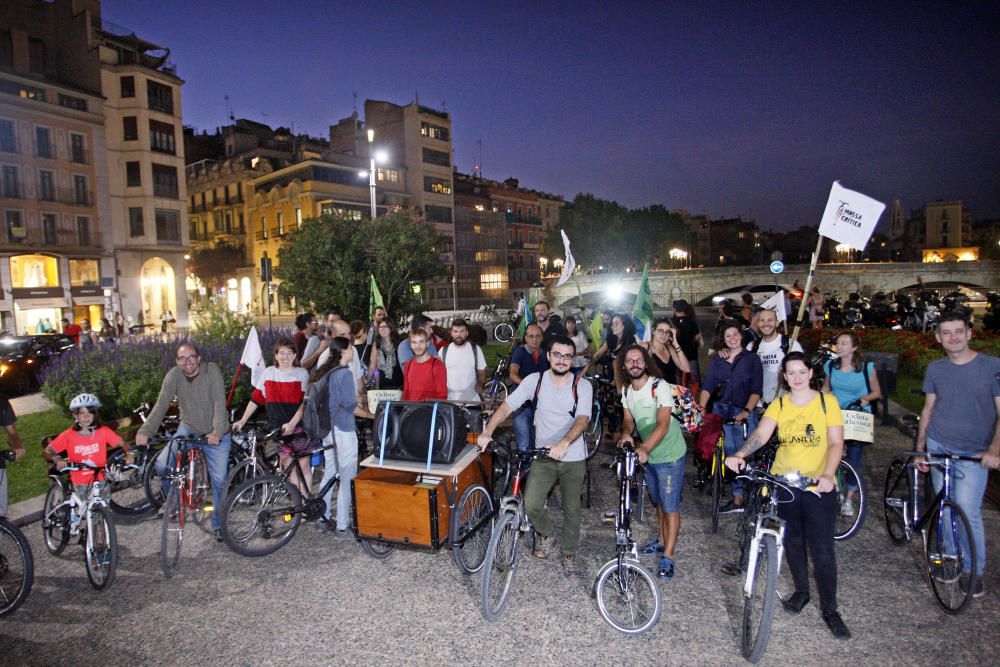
{"type": "Point", "coordinates": [39, 298]}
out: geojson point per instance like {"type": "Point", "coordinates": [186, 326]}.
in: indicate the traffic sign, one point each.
{"type": "Point", "coordinates": [777, 266]}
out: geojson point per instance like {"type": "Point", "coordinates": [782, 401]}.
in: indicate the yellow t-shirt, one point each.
{"type": "Point", "coordinates": [802, 432]}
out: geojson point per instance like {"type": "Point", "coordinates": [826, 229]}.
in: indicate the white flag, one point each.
{"type": "Point", "coordinates": [252, 357]}
{"type": "Point", "coordinates": [850, 217]}
{"type": "Point", "coordinates": [570, 263]}
{"type": "Point", "coordinates": [777, 304]}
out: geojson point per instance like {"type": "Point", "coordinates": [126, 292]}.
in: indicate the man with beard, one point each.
{"type": "Point", "coordinates": [648, 403]}
{"type": "Point", "coordinates": [550, 329]}
{"type": "Point", "coordinates": [465, 364]}
{"type": "Point", "coordinates": [771, 347]}
{"type": "Point", "coordinates": [562, 409]}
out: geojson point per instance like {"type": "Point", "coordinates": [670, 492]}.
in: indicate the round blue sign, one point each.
{"type": "Point", "coordinates": [777, 267]}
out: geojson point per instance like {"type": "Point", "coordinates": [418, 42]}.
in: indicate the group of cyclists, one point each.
{"type": "Point", "coordinates": [758, 380]}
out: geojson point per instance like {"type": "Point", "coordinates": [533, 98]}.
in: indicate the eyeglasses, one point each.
{"type": "Point", "coordinates": [560, 355]}
{"type": "Point", "coordinates": [661, 331]}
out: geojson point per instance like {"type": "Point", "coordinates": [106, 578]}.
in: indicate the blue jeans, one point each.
{"type": "Point", "coordinates": [342, 460]}
{"type": "Point", "coordinates": [968, 487]}
{"type": "Point", "coordinates": [734, 434]}
{"type": "Point", "coordinates": [852, 454]}
{"type": "Point", "coordinates": [665, 482]}
{"type": "Point", "coordinates": [217, 458]}
{"type": "Point", "coordinates": [523, 427]}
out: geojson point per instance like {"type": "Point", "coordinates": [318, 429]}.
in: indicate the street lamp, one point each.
{"type": "Point", "coordinates": [843, 250]}
{"type": "Point", "coordinates": [543, 263]}
{"type": "Point", "coordinates": [678, 254]}
{"type": "Point", "coordinates": [371, 169]}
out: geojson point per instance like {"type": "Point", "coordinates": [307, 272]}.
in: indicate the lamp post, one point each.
{"type": "Point", "coordinates": [677, 254]}
{"type": "Point", "coordinates": [844, 251]}
{"type": "Point", "coordinates": [371, 167]}
{"type": "Point", "coordinates": [543, 263]}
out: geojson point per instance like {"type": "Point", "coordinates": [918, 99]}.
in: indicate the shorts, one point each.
{"type": "Point", "coordinates": [665, 481]}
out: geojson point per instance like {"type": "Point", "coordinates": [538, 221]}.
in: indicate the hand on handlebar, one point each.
{"type": "Point", "coordinates": [825, 484]}
{"type": "Point", "coordinates": [141, 439]}
{"type": "Point", "coordinates": [212, 439]}
{"type": "Point", "coordinates": [483, 441]}
{"type": "Point", "coordinates": [736, 463]}
{"type": "Point", "coordinates": [990, 460]}
{"type": "Point", "coordinates": [558, 451]}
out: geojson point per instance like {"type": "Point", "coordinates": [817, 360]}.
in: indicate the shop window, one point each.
{"type": "Point", "coordinates": [34, 271]}
{"type": "Point", "coordinates": [84, 273]}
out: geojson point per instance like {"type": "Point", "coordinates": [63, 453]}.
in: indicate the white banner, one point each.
{"type": "Point", "coordinates": [850, 217]}
{"type": "Point", "coordinates": [858, 425]}
{"type": "Point", "coordinates": [569, 264]}
{"type": "Point", "coordinates": [777, 304]}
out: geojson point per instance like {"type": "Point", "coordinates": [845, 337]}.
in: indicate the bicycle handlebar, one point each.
{"type": "Point", "coordinates": [787, 482]}
{"type": "Point", "coordinates": [930, 458]}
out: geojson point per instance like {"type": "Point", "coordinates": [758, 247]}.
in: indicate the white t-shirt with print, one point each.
{"type": "Point", "coordinates": [770, 358]}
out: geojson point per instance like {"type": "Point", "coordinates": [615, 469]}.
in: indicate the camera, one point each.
{"type": "Point", "coordinates": [6, 455]}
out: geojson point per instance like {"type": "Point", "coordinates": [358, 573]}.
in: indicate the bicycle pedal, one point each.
{"type": "Point", "coordinates": [608, 517]}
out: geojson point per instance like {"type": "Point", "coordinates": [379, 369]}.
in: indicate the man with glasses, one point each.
{"type": "Point", "coordinates": [562, 409]}
{"type": "Point", "coordinates": [201, 397]}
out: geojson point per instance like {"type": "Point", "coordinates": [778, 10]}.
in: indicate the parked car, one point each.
{"type": "Point", "coordinates": [22, 357]}
{"type": "Point", "coordinates": [760, 293]}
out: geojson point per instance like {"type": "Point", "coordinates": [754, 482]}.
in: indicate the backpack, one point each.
{"type": "Point", "coordinates": [687, 411]}
{"type": "Point", "coordinates": [315, 410]}
{"type": "Point", "coordinates": [865, 368]}
{"type": "Point", "coordinates": [475, 354]}
{"type": "Point", "coordinates": [785, 342]}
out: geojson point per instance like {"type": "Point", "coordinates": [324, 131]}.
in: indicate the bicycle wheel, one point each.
{"type": "Point", "coordinates": [594, 435]}
{"type": "Point", "coordinates": [747, 526]}
{"type": "Point", "coordinates": [499, 566]}
{"type": "Point", "coordinates": [627, 596]}
{"type": "Point", "coordinates": [503, 332]}
{"type": "Point", "coordinates": [847, 525]}
{"type": "Point", "coordinates": [102, 557]}
{"type": "Point", "coordinates": [128, 495]}
{"type": "Point", "coordinates": [950, 557]}
{"type": "Point", "coordinates": [495, 391]}
{"type": "Point", "coordinates": [172, 532]}
{"type": "Point", "coordinates": [718, 467]}
{"type": "Point", "coordinates": [17, 568]}
{"type": "Point", "coordinates": [261, 516]}
{"type": "Point", "coordinates": [55, 519]}
{"type": "Point", "coordinates": [241, 472]}
{"type": "Point", "coordinates": [896, 501]}
{"type": "Point", "coordinates": [152, 483]}
{"type": "Point", "coordinates": [197, 493]}
{"type": "Point", "coordinates": [377, 548]}
{"type": "Point", "coordinates": [471, 528]}
{"type": "Point", "coordinates": [758, 607]}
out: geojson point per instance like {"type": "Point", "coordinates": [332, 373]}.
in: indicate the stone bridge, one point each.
{"type": "Point", "coordinates": [699, 285]}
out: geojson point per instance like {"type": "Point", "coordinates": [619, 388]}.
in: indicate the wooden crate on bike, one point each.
{"type": "Point", "coordinates": [391, 505]}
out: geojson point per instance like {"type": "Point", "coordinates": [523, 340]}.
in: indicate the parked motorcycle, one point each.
{"type": "Point", "coordinates": [991, 320]}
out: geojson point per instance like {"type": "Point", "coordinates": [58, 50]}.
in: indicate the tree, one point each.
{"type": "Point", "coordinates": [214, 266]}
{"type": "Point", "coordinates": [327, 262]}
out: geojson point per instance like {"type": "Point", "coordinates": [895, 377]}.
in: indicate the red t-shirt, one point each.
{"type": "Point", "coordinates": [427, 381]}
{"type": "Point", "coordinates": [73, 331]}
{"type": "Point", "coordinates": [91, 448]}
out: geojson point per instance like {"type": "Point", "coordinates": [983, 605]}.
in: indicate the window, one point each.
{"type": "Point", "coordinates": [83, 229]}
{"type": "Point", "coordinates": [46, 185]}
{"type": "Point", "coordinates": [77, 148]}
{"type": "Point", "coordinates": [8, 140]}
{"type": "Point", "coordinates": [161, 137]}
{"type": "Point", "coordinates": [34, 271]}
{"type": "Point", "coordinates": [130, 128]}
{"type": "Point", "coordinates": [11, 182]}
{"type": "Point", "coordinates": [168, 227]}
{"type": "Point", "coordinates": [437, 213]}
{"type": "Point", "coordinates": [50, 234]}
{"type": "Point", "coordinates": [387, 175]}
{"type": "Point", "coordinates": [22, 90]}
{"type": "Point", "coordinates": [15, 228]}
{"type": "Point", "coordinates": [135, 226]}
{"type": "Point", "coordinates": [72, 102]}
{"type": "Point", "coordinates": [36, 56]}
{"type": "Point", "coordinates": [133, 174]}
{"type": "Point", "coordinates": [434, 131]}
{"type": "Point", "coordinates": [298, 218]}
{"type": "Point", "coordinates": [127, 86]}
{"type": "Point", "coordinates": [81, 194]}
{"type": "Point", "coordinates": [165, 181]}
{"type": "Point", "coordinates": [43, 142]}
{"type": "Point", "coordinates": [490, 281]}
{"type": "Point", "coordinates": [438, 185]}
{"type": "Point", "coordinates": [161, 98]}
{"type": "Point", "coordinates": [440, 158]}
{"type": "Point", "coordinates": [281, 224]}
{"type": "Point", "coordinates": [6, 49]}
{"type": "Point", "coordinates": [84, 273]}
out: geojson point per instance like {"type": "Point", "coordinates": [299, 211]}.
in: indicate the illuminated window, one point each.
{"type": "Point", "coordinates": [387, 175]}
{"type": "Point", "coordinates": [491, 281]}
{"type": "Point", "coordinates": [437, 185]}
{"type": "Point", "coordinates": [34, 271]}
{"type": "Point", "coordinates": [84, 273]}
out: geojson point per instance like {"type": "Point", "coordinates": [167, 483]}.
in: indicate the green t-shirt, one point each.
{"type": "Point", "coordinates": [642, 406]}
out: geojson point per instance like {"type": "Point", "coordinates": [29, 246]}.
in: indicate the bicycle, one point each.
{"type": "Point", "coordinates": [606, 403]}
{"type": "Point", "coordinates": [255, 453]}
{"type": "Point", "coordinates": [949, 555]}
{"type": "Point", "coordinates": [627, 596]}
{"type": "Point", "coordinates": [128, 495]}
{"type": "Point", "coordinates": [62, 515]}
{"type": "Point", "coordinates": [717, 471]}
{"type": "Point", "coordinates": [188, 488]}
{"type": "Point", "coordinates": [500, 562]}
{"type": "Point", "coordinates": [763, 556]}
{"type": "Point", "coordinates": [17, 563]}
{"type": "Point", "coordinates": [504, 331]}
{"type": "Point", "coordinates": [495, 390]}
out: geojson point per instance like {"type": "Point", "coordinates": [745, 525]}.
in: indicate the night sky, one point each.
{"type": "Point", "coordinates": [749, 109]}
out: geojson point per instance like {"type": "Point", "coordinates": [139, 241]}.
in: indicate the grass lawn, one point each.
{"type": "Point", "coordinates": [27, 477]}
{"type": "Point", "coordinates": [903, 396]}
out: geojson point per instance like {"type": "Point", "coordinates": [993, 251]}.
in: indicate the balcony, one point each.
{"type": "Point", "coordinates": [11, 191]}
{"type": "Point", "coordinates": [64, 237]}
{"type": "Point", "coordinates": [260, 236]}
{"type": "Point", "coordinates": [79, 155]}
{"type": "Point", "coordinates": [69, 197]}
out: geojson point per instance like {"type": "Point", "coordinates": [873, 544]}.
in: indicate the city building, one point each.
{"type": "Point", "coordinates": [56, 256]}
{"type": "Point", "coordinates": [480, 245]}
{"type": "Point", "coordinates": [145, 166]}
{"type": "Point", "coordinates": [939, 231]}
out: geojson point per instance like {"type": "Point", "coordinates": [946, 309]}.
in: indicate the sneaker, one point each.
{"type": "Point", "coordinates": [324, 525]}
{"type": "Point", "coordinates": [731, 508]}
{"type": "Point", "coordinates": [731, 568]}
{"type": "Point", "coordinates": [544, 545]}
{"type": "Point", "coordinates": [847, 509]}
{"type": "Point", "coordinates": [978, 590]}
{"type": "Point", "coordinates": [795, 602]}
{"type": "Point", "coordinates": [836, 625]}
{"type": "Point", "coordinates": [341, 532]}
{"type": "Point", "coordinates": [569, 568]}
{"type": "Point", "coordinates": [652, 547]}
{"type": "Point", "coordinates": [666, 569]}
{"type": "Point", "coordinates": [218, 535]}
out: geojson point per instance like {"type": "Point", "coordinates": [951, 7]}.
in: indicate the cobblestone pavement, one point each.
{"type": "Point", "coordinates": [322, 601]}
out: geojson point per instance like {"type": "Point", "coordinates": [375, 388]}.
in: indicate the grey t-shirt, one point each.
{"type": "Point", "coordinates": [964, 413]}
{"type": "Point", "coordinates": [553, 415]}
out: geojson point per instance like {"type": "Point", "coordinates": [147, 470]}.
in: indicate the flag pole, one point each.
{"type": "Point", "coordinates": [232, 390]}
{"type": "Point", "coordinates": [806, 292]}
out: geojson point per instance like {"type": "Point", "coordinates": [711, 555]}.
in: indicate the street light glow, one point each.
{"type": "Point", "coordinates": [616, 292]}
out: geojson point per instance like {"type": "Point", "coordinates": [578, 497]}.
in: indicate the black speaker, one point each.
{"type": "Point", "coordinates": [407, 430]}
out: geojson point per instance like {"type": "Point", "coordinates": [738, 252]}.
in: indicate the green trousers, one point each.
{"type": "Point", "coordinates": [544, 475]}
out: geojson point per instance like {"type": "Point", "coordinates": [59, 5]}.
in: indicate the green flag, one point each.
{"type": "Point", "coordinates": [375, 297]}
{"type": "Point", "coordinates": [529, 314]}
{"type": "Point", "coordinates": [642, 314]}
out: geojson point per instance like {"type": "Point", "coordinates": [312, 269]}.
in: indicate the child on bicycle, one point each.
{"type": "Point", "coordinates": [86, 441]}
